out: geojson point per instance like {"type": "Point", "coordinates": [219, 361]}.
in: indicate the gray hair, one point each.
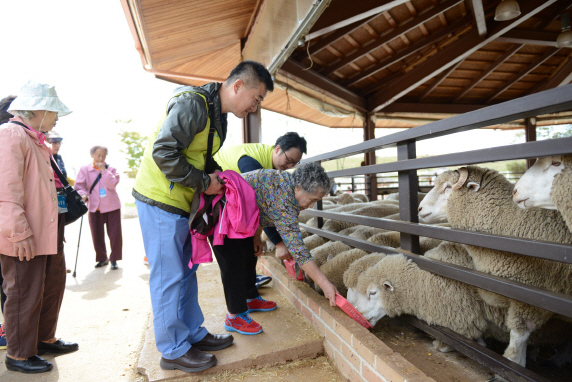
{"type": "Point", "coordinates": [95, 148]}
{"type": "Point", "coordinates": [26, 114]}
{"type": "Point", "coordinates": [312, 178]}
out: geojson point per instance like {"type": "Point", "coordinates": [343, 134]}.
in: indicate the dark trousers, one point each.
{"type": "Point", "coordinates": [238, 272]}
{"type": "Point", "coordinates": [112, 219]}
{"type": "Point", "coordinates": [34, 291]}
{"type": "Point", "coordinates": [2, 294]}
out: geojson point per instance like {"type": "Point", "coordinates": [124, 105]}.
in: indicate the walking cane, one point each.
{"type": "Point", "coordinates": [77, 253]}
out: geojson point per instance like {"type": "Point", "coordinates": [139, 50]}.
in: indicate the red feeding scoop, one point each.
{"type": "Point", "coordinates": [291, 268]}
{"type": "Point", "coordinates": [351, 311]}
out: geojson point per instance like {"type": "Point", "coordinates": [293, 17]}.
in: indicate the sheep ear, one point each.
{"type": "Point", "coordinates": [388, 285]}
{"type": "Point", "coordinates": [473, 186]}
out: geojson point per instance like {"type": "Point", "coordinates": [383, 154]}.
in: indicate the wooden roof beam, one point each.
{"type": "Point", "coordinates": [294, 70]}
{"type": "Point", "coordinates": [347, 14]}
{"type": "Point", "coordinates": [558, 7]}
{"type": "Point", "coordinates": [562, 77]}
{"type": "Point", "coordinates": [416, 46]}
{"type": "Point", "coordinates": [440, 79]}
{"type": "Point", "coordinates": [529, 37]}
{"type": "Point", "coordinates": [335, 36]}
{"type": "Point", "coordinates": [414, 23]}
{"type": "Point", "coordinates": [429, 108]}
{"type": "Point", "coordinates": [479, 13]}
{"type": "Point", "coordinates": [450, 55]}
{"type": "Point", "coordinates": [498, 62]}
{"type": "Point", "coordinates": [533, 65]}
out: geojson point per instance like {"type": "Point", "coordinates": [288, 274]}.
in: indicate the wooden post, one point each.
{"type": "Point", "coordinates": [530, 132]}
{"type": "Point", "coordinates": [408, 187]}
{"type": "Point", "coordinates": [251, 127]}
{"type": "Point", "coordinates": [369, 158]}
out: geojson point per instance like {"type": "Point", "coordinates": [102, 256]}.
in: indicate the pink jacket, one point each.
{"type": "Point", "coordinates": [109, 179]}
{"type": "Point", "coordinates": [238, 218]}
{"type": "Point", "coordinates": [28, 199]}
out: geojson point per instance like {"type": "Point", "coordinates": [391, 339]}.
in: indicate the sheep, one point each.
{"type": "Point", "coordinates": [334, 268]}
{"type": "Point", "coordinates": [395, 196]}
{"type": "Point", "coordinates": [345, 199]}
{"type": "Point", "coordinates": [355, 269]}
{"type": "Point", "coordinates": [360, 197]}
{"type": "Point", "coordinates": [314, 241]}
{"type": "Point", "coordinates": [372, 210]}
{"type": "Point", "coordinates": [481, 199]}
{"type": "Point", "coordinates": [547, 184]}
{"type": "Point", "coordinates": [345, 208]}
{"type": "Point", "coordinates": [393, 239]}
{"type": "Point", "coordinates": [396, 286]}
{"type": "Point", "coordinates": [364, 232]}
{"type": "Point", "coordinates": [332, 248]}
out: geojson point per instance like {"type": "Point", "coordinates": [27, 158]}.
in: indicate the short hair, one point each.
{"type": "Point", "coordinates": [311, 177]}
{"type": "Point", "coordinates": [291, 139]}
{"type": "Point", "coordinates": [26, 114]}
{"type": "Point", "coordinates": [95, 148]}
{"type": "Point", "coordinates": [251, 73]}
{"type": "Point", "coordinates": [4, 105]}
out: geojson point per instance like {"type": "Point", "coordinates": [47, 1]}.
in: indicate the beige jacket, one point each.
{"type": "Point", "coordinates": [28, 199]}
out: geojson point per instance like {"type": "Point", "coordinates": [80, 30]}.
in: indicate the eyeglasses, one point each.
{"type": "Point", "coordinates": [290, 161]}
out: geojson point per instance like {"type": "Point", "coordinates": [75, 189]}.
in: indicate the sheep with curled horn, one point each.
{"type": "Point", "coordinates": [480, 199]}
{"type": "Point", "coordinates": [547, 184]}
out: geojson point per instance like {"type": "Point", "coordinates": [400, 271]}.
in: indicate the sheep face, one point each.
{"type": "Point", "coordinates": [369, 303]}
{"type": "Point", "coordinates": [373, 291]}
{"type": "Point", "coordinates": [433, 208]}
{"type": "Point", "coordinates": [533, 189]}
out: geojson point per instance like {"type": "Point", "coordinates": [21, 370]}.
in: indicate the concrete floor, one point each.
{"type": "Point", "coordinates": [108, 313]}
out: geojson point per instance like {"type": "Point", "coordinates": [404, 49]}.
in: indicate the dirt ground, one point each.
{"type": "Point", "coordinates": [315, 370]}
{"type": "Point", "coordinates": [416, 346]}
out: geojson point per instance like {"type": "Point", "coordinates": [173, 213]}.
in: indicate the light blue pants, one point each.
{"type": "Point", "coordinates": [177, 315]}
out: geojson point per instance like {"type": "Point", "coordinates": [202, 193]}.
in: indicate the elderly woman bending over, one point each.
{"type": "Point", "coordinates": [280, 197]}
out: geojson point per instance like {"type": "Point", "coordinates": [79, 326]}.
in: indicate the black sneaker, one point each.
{"type": "Point", "coordinates": [114, 265]}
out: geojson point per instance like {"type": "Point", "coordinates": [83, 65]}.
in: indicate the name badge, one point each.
{"type": "Point", "coordinates": [102, 193]}
{"type": "Point", "coordinates": [62, 205]}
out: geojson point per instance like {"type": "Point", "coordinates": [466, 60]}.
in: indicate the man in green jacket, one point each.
{"type": "Point", "coordinates": [173, 172]}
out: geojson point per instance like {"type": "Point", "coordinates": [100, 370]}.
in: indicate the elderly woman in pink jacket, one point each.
{"type": "Point", "coordinates": [31, 231]}
{"type": "Point", "coordinates": [96, 184]}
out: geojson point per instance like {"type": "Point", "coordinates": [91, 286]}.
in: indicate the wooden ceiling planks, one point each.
{"type": "Point", "coordinates": [204, 38]}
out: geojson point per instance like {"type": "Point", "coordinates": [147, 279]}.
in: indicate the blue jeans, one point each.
{"type": "Point", "coordinates": [177, 315]}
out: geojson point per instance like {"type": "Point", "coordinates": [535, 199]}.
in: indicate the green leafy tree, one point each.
{"type": "Point", "coordinates": [134, 146]}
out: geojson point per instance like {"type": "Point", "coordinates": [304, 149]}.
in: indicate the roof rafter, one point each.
{"type": "Point", "coordinates": [292, 68]}
{"type": "Point", "coordinates": [562, 77]}
{"type": "Point", "coordinates": [450, 55]}
{"type": "Point", "coordinates": [529, 37]}
{"type": "Point", "coordinates": [440, 79]}
{"type": "Point", "coordinates": [498, 62]}
{"type": "Point", "coordinates": [416, 46]}
{"type": "Point", "coordinates": [479, 13]}
{"type": "Point", "coordinates": [400, 30]}
{"type": "Point", "coordinates": [529, 68]}
{"type": "Point", "coordinates": [343, 15]}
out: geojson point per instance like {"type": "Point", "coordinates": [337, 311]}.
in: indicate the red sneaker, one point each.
{"type": "Point", "coordinates": [259, 304]}
{"type": "Point", "coordinates": [242, 324]}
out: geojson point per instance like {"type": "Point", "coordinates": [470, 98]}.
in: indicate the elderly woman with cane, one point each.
{"type": "Point", "coordinates": [31, 231]}
{"type": "Point", "coordinates": [280, 197]}
{"type": "Point", "coordinates": [96, 183]}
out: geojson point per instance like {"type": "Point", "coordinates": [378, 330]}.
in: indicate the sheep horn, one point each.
{"type": "Point", "coordinates": [463, 175]}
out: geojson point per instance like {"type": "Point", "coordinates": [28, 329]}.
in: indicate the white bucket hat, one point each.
{"type": "Point", "coordinates": [36, 96]}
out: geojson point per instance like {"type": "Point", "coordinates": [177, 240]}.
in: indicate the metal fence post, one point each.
{"type": "Point", "coordinates": [408, 197]}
